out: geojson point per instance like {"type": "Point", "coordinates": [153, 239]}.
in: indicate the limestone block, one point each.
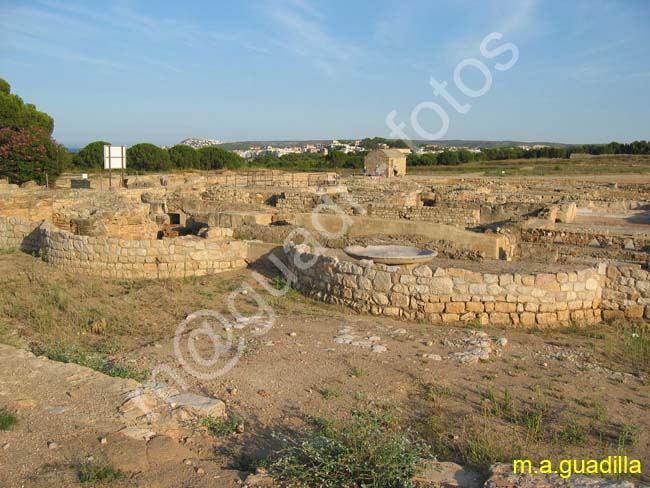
{"type": "Point", "coordinates": [500, 318]}
{"type": "Point", "coordinates": [391, 311]}
{"type": "Point", "coordinates": [434, 307]}
{"type": "Point", "coordinates": [382, 281]}
{"type": "Point", "coordinates": [399, 300]}
{"type": "Point", "coordinates": [547, 318]}
{"type": "Point", "coordinates": [634, 311]}
{"type": "Point", "coordinates": [423, 271]}
{"type": "Point", "coordinates": [506, 279]}
{"type": "Point", "coordinates": [505, 307]}
{"type": "Point", "coordinates": [527, 319]}
{"type": "Point", "coordinates": [450, 317]}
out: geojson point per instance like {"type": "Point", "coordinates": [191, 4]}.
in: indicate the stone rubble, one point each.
{"type": "Point", "coordinates": [347, 336]}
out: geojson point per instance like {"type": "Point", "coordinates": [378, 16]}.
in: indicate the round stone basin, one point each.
{"type": "Point", "coordinates": [391, 254]}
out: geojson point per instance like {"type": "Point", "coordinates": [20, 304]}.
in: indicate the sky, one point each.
{"type": "Point", "coordinates": [160, 71]}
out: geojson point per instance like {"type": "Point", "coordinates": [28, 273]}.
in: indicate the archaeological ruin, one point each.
{"type": "Point", "coordinates": [511, 251]}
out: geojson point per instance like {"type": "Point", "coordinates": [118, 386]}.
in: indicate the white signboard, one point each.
{"type": "Point", "coordinates": [114, 157]}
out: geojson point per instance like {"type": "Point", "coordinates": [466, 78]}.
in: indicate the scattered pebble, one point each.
{"type": "Point", "coordinates": [103, 440]}
{"type": "Point", "coordinates": [52, 445]}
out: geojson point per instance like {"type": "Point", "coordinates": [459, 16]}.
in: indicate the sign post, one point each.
{"type": "Point", "coordinates": [114, 157]}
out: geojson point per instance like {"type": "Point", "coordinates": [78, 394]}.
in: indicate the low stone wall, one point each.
{"type": "Point", "coordinates": [587, 238]}
{"type": "Point", "coordinates": [123, 258]}
{"type": "Point", "coordinates": [452, 294]}
{"type": "Point", "coordinates": [457, 216]}
{"type": "Point", "coordinates": [387, 206]}
{"type": "Point", "coordinates": [17, 233]}
{"type": "Point", "coordinates": [627, 291]}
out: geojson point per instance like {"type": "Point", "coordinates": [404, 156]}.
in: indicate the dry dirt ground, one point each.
{"type": "Point", "coordinates": [574, 393]}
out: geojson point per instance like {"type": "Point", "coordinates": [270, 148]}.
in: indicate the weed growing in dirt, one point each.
{"type": "Point", "coordinates": [223, 427]}
{"type": "Point", "coordinates": [329, 394]}
{"type": "Point", "coordinates": [571, 433]}
{"type": "Point", "coordinates": [479, 451]}
{"type": "Point", "coordinates": [7, 419]}
{"type": "Point", "coordinates": [530, 420]}
{"type": "Point", "coordinates": [371, 449]}
{"type": "Point", "coordinates": [636, 347]}
{"type": "Point", "coordinates": [628, 436]}
{"type": "Point", "coordinates": [279, 282]}
{"type": "Point", "coordinates": [431, 391]}
{"type": "Point", "coordinates": [356, 372]}
{"type": "Point", "coordinates": [90, 472]}
{"type": "Point", "coordinates": [103, 365]}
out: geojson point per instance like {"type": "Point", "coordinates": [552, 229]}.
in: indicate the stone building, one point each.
{"type": "Point", "coordinates": [385, 162]}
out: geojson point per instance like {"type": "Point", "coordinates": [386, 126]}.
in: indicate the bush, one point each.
{"type": "Point", "coordinates": [91, 156]}
{"type": "Point", "coordinates": [30, 154]}
{"type": "Point", "coordinates": [147, 157]}
{"type": "Point", "coordinates": [371, 450]}
{"type": "Point", "coordinates": [213, 157]}
{"type": "Point", "coordinates": [7, 419]}
{"type": "Point", "coordinates": [183, 156]}
{"type": "Point", "coordinates": [90, 472]}
{"type": "Point", "coordinates": [225, 426]}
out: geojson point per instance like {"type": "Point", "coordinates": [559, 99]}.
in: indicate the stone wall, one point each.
{"type": "Point", "coordinates": [17, 233]}
{"type": "Point", "coordinates": [123, 258]}
{"type": "Point", "coordinates": [457, 216]}
{"type": "Point", "coordinates": [386, 206]}
{"type": "Point", "coordinates": [587, 238]}
{"type": "Point", "coordinates": [627, 291]}
{"type": "Point", "coordinates": [450, 294]}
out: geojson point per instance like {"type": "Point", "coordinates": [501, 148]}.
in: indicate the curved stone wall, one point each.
{"type": "Point", "coordinates": [123, 258]}
{"type": "Point", "coordinates": [450, 294]}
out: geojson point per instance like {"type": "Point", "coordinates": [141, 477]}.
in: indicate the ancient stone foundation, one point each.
{"type": "Point", "coordinates": [450, 294]}
{"type": "Point", "coordinates": [123, 258]}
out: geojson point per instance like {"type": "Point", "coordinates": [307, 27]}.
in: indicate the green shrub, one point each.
{"type": "Point", "coordinates": [90, 472]}
{"type": "Point", "coordinates": [91, 156]}
{"type": "Point", "coordinates": [372, 450]}
{"type": "Point", "coordinates": [183, 156]}
{"type": "Point", "coordinates": [7, 419]}
{"type": "Point", "coordinates": [223, 427]}
{"type": "Point", "coordinates": [213, 157]}
{"type": "Point", "coordinates": [148, 157]}
{"type": "Point", "coordinates": [30, 154]}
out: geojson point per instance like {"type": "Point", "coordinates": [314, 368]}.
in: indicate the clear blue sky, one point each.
{"type": "Point", "coordinates": [162, 70]}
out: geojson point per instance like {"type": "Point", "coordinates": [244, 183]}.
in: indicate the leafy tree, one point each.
{"type": "Point", "coordinates": [148, 157]}
{"type": "Point", "coordinates": [16, 114]}
{"type": "Point", "coordinates": [91, 156]}
{"type": "Point", "coordinates": [183, 156]}
{"type": "Point", "coordinates": [30, 154]}
{"type": "Point", "coordinates": [378, 142]}
{"type": "Point", "coordinates": [213, 157]}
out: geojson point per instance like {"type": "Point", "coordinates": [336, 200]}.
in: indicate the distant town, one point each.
{"type": "Point", "coordinates": [255, 150]}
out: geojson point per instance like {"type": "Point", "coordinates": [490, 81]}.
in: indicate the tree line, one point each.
{"type": "Point", "coordinates": [149, 157]}
{"type": "Point", "coordinates": [449, 158]}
